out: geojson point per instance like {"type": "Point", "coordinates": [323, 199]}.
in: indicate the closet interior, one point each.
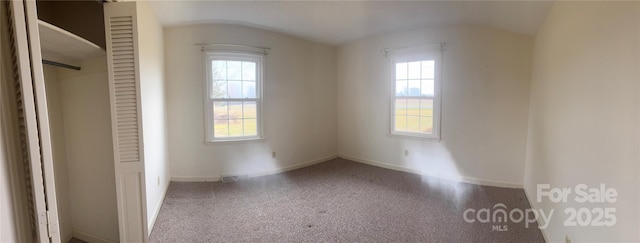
{"type": "Point", "coordinates": [77, 94]}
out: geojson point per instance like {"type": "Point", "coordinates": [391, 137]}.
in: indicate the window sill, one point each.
{"type": "Point", "coordinates": [235, 141]}
{"type": "Point", "coordinates": [414, 137]}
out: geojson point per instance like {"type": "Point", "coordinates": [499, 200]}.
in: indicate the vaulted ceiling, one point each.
{"type": "Point", "coordinates": [338, 22]}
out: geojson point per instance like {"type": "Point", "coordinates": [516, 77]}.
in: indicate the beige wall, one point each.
{"type": "Point", "coordinates": [59, 149]}
{"type": "Point", "coordinates": [584, 124]}
{"type": "Point", "coordinates": [15, 225]}
{"type": "Point", "coordinates": [8, 223]}
{"type": "Point", "coordinates": [485, 92]}
{"type": "Point", "coordinates": [8, 226]}
{"type": "Point", "coordinates": [87, 124]}
{"type": "Point", "coordinates": [154, 119]}
{"type": "Point", "coordinates": [299, 104]}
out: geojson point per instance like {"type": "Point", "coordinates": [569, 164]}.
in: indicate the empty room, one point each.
{"type": "Point", "coordinates": [319, 121]}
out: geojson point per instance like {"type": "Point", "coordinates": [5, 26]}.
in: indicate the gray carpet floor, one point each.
{"type": "Point", "coordinates": [335, 201]}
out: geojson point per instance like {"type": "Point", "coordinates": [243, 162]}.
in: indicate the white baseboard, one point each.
{"type": "Point", "coordinates": [544, 233]}
{"type": "Point", "coordinates": [390, 166]}
{"type": "Point", "coordinates": [156, 211]}
{"type": "Point", "coordinates": [90, 238]}
{"type": "Point", "coordinates": [270, 172]}
{"type": "Point", "coordinates": [469, 180]}
{"type": "Point", "coordinates": [296, 166]}
{"type": "Point", "coordinates": [195, 178]}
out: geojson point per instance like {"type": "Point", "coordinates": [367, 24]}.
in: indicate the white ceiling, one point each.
{"type": "Point", "coordinates": [337, 22]}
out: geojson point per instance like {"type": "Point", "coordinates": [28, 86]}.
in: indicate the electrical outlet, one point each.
{"type": "Point", "coordinates": [273, 155]}
{"type": "Point", "coordinates": [406, 152]}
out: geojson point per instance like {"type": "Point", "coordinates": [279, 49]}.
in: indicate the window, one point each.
{"type": "Point", "coordinates": [415, 101]}
{"type": "Point", "coordinates": [233, 96]}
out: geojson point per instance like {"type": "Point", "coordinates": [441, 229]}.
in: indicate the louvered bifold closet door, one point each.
{"type": "Point", "coordinates": [33, 118]}
{"type": "Point", "coordinates": [124, 92]}
{"type": "Point", "coordinates": [125, 89]}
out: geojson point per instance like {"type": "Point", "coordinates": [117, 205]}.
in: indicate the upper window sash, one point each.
{"type": "Point", "coordinates": [211, 56]}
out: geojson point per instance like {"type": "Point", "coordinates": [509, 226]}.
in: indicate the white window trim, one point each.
{"type": "Point", "coordinates": [210, 55]}
{"type": "Point", "coordinates": [408, 55]}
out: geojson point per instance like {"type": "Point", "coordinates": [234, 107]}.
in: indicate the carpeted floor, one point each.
{"type": "Point", "coordinates": [338, 201]}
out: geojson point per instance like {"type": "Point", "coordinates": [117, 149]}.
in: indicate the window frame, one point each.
{"type": "Point", "coordinates": [209, 57]}
{"type": "Point", "coordinates": [413, 56]}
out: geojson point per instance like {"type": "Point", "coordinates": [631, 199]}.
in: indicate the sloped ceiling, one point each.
{"type": "Point", "coordinates": [338, 22]}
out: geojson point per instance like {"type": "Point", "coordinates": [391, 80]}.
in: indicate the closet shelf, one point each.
{"type": "Point", "coordinates": [62, 46]}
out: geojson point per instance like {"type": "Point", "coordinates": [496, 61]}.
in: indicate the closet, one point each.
{"type": "Point", "coordinates": [91, 172]}
{"type": "Point", "coordinates": [77, 87]}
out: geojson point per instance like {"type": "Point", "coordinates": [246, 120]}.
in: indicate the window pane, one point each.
{"type": "Point", "coordinates": [249, 71]}
{"type": "Point", "coordinates": [221, 128]}
{"type": "Point", "coordinates": [219, 89]}
{"type": "Point", "coordinates": [249, 109]}
{"type": "Point", "coordinates": [414, 70]}
{"type": "Point", "coordinates": [234, 71]}
{"type": "Point", "coordinates": [426, 107]}
{"type": "Point", "coordinates": [401, 70]}
{"type": "Point", "coordinates": [413, 107]}
{"type": "Point", "coordinates": [401, 123]}
{"type": "Point", "coordinates": [414, 79]}
{"type": "Point", "coordinates": [219, 70]}
{"type": "Point", "coordinates": [220, 110]}
{"type": "Point", "coordinates": [235, 127]}
{"type": "Point", "coordinates": [250, 127]}
{"type": "Point", "coordinates": [235, 89]}
{"type": "Point", "coordinates": [235, 110]}
{"type": "Point", "coordinates": [401, 107]}
{"type": "Point", "coordinates": [426, 125]}
{"type": "Point", "coordinates": [249, 89]}
{"type": "Point", "coordinates": [401, 88]}
{"type": "Point", "coordinates": [427, 87]}
{"type": "Point", "coordinates": [428, 69]}
{"type": "Point", "coordinates": [413, 123]}
{"type": "Point", "coordinates": [414, 87]}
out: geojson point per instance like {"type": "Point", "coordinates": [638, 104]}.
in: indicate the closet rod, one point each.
{"type": "Point", "coordinates": [57, 64]}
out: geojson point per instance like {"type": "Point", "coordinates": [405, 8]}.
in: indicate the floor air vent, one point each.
{"type": "Point", "coordinates": [228, 179]}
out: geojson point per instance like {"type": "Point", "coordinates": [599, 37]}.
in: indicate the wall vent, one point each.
{"type": "Point", "coordinates": [233, 178]}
